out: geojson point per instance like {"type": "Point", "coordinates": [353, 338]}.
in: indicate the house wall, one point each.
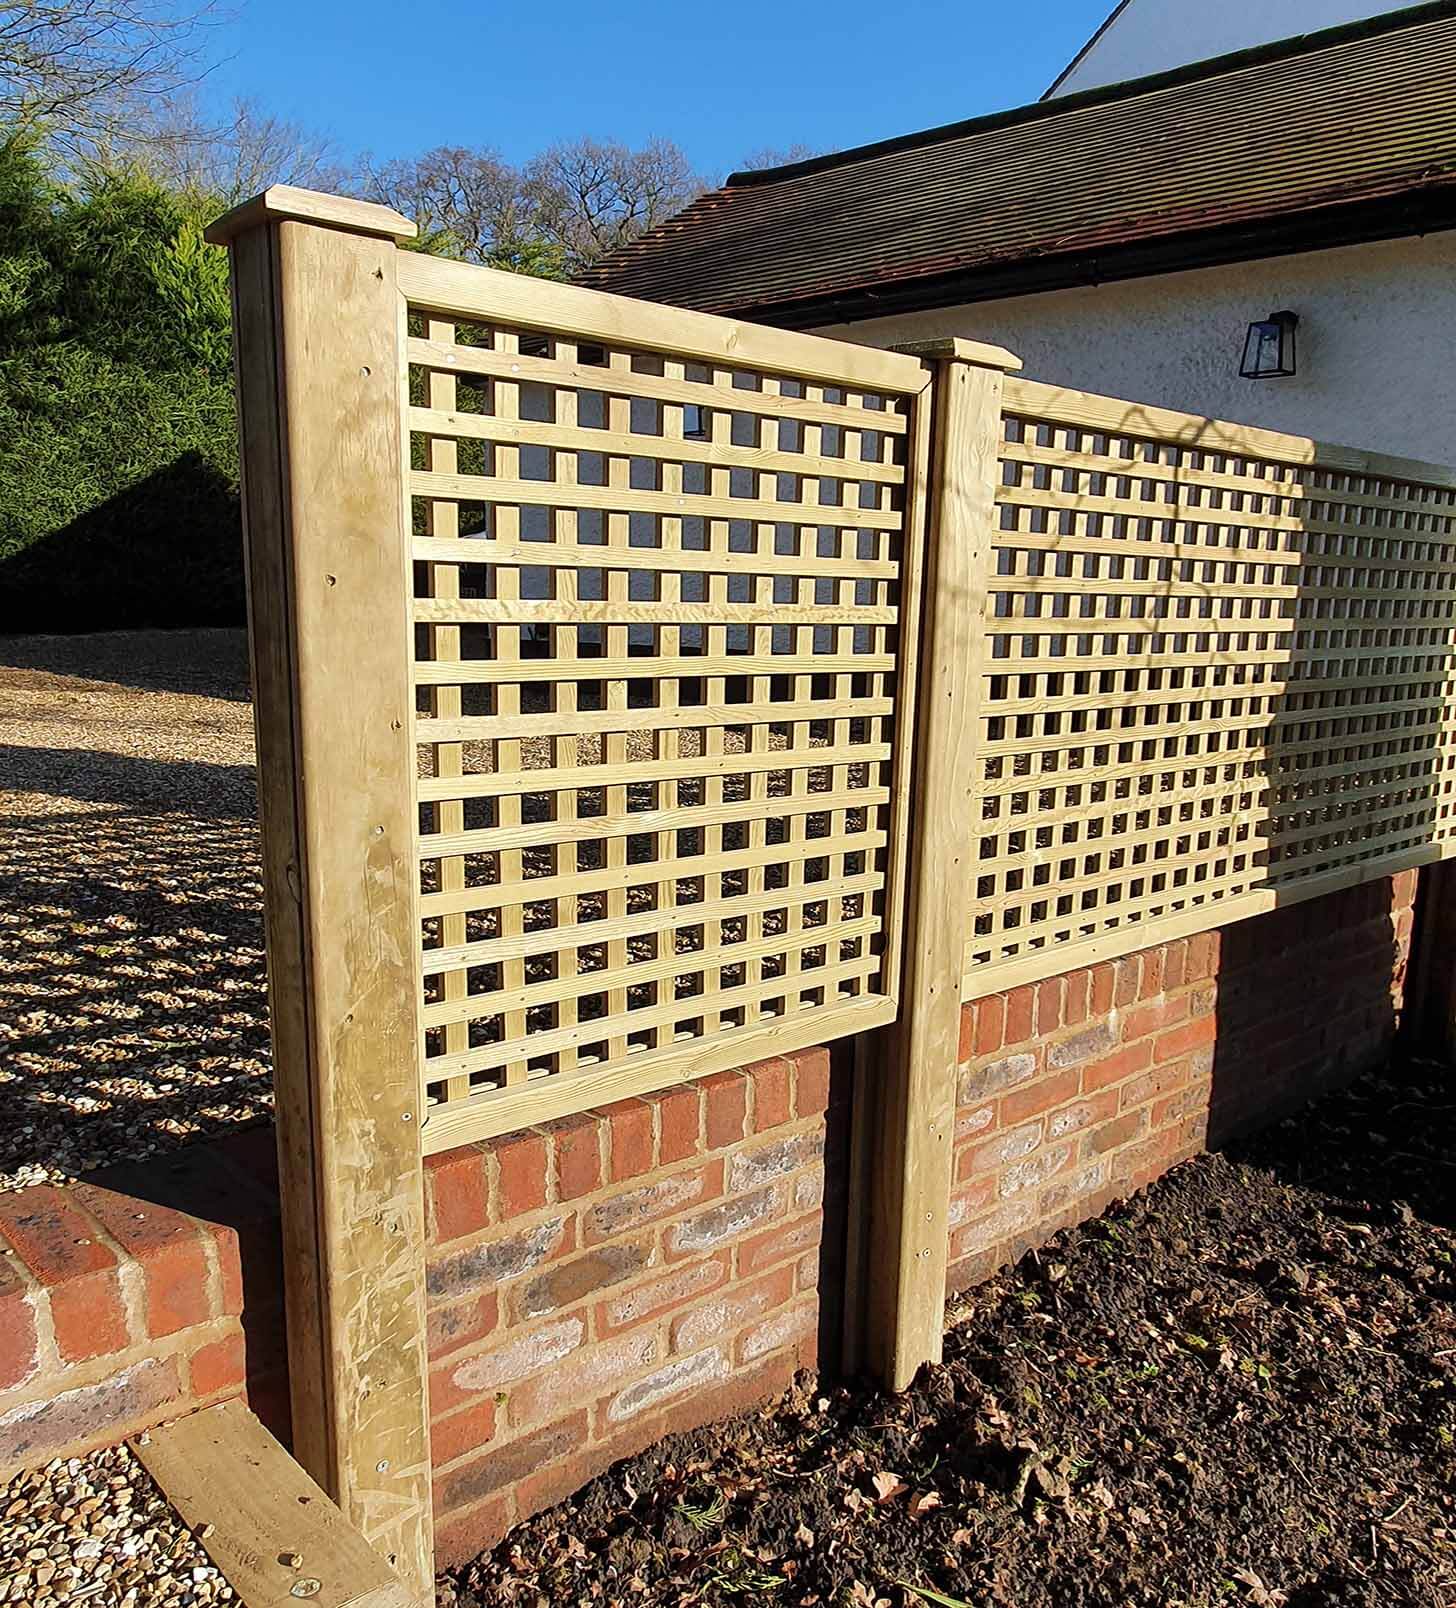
{"type": "Point", "coordinates": [1150, 36]}
{"type": "Point", "coordinates": [1374, 339]}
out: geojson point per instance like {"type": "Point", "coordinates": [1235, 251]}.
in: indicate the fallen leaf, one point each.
{"type": "Point", "coordinates": [1259, 1593]}
{"type": "Point", "coordinates": [887, 1485]}
{"type": "Point", "coordinates": [938, 1597]}
{"type": "Point", "coordinates": [1051, 1484]}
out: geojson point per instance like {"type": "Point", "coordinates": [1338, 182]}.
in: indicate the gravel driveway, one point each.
{"type": "Point", "coordinates": [133, 1011]}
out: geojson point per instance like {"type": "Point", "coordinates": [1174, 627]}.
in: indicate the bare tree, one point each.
{"type": "Point", "coordinates": [566, 207]}
{"type": "Point", "coordinates": [465, 202]}
{"type": "Point", "coordinates": [596, 195]}
{"type": "Point", "coordinates": [772, 156]}
{"type": "Point", "coordinates": [232, 157]}
{"type": "Point", "coordinates": [82, 69]}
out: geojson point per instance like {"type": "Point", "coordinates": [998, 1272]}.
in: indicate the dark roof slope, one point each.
{"type": "Point", "coordinates": [1343, 135]}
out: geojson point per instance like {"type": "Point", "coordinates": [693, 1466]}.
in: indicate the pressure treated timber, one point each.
{"type": "Point", "coordinates": [316, 332]}
{"type": "Point", "coordinates": [281, 201]}
{"type": "Point", "coordinates": [1217, 677]}
{"type": "Point", "coordinates": [909, 1095]}
{"type": "Point", "coordinates": [642, 1072]}
{"type": "Point", "coordinates": [1140, 420]}
{"type": "Point", "coordinates": [461, 289]}
{"type": "Point", "coordinates": [663, 696]}
{"type": "Point", "coordinates": [251, 1507]}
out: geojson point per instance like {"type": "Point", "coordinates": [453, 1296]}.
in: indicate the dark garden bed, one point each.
{"type": "Point", "coordinates": [1239, 1387]}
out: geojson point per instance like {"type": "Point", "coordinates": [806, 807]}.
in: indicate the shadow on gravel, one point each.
{"type": "Point", "coordinates": [211, 661]}
{"type": "Point", "coordinates": [133, 1008]}
{"type": "Point", "coordinates": [201, 790]}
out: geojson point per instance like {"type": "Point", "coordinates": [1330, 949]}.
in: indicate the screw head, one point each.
{"type": "Point", "coordinates": [305, 1588]}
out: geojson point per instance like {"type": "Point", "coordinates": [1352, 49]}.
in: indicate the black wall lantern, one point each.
{"type": "Point", "coordinates": [1269, 348]}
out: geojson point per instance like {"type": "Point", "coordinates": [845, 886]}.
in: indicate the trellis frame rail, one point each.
{"type": "Point", "coordinates": [720, 779]}
{"type": "Point", "coordinates": [796, 831]}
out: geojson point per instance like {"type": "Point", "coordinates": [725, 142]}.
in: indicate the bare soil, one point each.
{"type": "Point", "coordinates": [1239, 1387]}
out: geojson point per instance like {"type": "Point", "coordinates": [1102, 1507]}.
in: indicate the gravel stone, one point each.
{"type": "Point", "coordinates": [98, 1530]}
{"type": "Point", "coordinates": [133, 1005]}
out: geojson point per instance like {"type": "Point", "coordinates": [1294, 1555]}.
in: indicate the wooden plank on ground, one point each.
{"type": "Point", "coordinates": [272, 1531]}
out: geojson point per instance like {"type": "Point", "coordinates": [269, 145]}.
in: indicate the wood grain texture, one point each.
{"type": "Point", "coordinates": [663, 696]}
{"type": "Point", "coordinates": [252, 1506]}
{"type": "Point", "coordinates": [316, 331]}
{"type": "Point", "coordinates": [911, 1109]}
{"type": "Point", "coordinates": [1141, 419]}
{"type": "Point", "coordinates": [281, 201]}
{"type": "Point", "coordinates": [433, 282]}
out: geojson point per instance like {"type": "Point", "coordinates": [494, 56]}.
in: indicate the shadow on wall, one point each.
{"type": "Point", "coordinates": [1347, 765]}
{"type": "Point", "coordinates": [1354, 1006]}
{"type": "Point", "coordinates": [232, 1183]}
{"type": "Point", "coordinates": [167, 551]}
{"type": "Point", "coordinates": [1307, 998]}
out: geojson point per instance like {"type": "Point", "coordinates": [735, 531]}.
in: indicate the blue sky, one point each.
{"type": "Point", "coordinates": [721, 80]}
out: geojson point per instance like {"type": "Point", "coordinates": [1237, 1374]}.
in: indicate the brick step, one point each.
{"type": "Point", "coordinates": [123, 1300]}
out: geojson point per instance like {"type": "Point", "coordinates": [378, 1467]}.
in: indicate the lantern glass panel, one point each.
{"type": "Point", "coordinates": [1269, 348]}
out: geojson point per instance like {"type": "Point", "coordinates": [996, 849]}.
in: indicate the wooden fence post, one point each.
{"type": "Point", "coordinates": [908, 1095]}
{"type": "Point", "coordinates": [317, 332]}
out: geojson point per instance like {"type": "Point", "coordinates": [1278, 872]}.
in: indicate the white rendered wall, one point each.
{"type": "Point", "coordinates": [1150, 36]}
{"type": "Point", "coordinates": [1377, 342]}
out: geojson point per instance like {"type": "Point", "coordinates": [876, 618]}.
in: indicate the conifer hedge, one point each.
{"type": "Point", "coordinates": [118, 448]}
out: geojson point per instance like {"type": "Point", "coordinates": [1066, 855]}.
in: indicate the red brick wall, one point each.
{"type": "Point", "coordinates": [114, 1313]}
{"type": "Point", "coordinates": [598, 1282]}
{"type": "Point", "coordinates": [1088, 1086]}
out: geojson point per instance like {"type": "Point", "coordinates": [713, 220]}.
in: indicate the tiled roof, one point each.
{"type": "Point", "coordinates": [1345, 134]}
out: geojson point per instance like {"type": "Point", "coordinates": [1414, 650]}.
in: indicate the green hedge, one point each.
{"type": "Point", "coordinates": [118, 448]}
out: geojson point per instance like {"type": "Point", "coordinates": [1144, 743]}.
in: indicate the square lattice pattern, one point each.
{"type": "Point", "coordinates": [1208, 671]}
{"type": "Point", "coordinates": [656, 610]}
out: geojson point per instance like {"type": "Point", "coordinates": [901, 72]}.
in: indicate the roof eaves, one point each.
{"type": "Point", "coordinates": [1427, 205]}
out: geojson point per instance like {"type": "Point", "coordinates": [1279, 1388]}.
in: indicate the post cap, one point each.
{"type": "Point", "coordinates": [952, 346]}
{"type": "Point", "coordinates": [281, 201]}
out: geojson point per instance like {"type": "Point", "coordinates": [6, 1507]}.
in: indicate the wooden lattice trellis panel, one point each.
{"type": "Point", "coordinates": [1217, 675]}
{"type": "Point", "coordinates": [661, 568]}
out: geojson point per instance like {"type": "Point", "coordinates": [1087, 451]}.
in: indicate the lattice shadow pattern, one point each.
{"type": "Point", "coordinates": [1209, 672]}
{"type": "Point", "coordinates": [656, 610]}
